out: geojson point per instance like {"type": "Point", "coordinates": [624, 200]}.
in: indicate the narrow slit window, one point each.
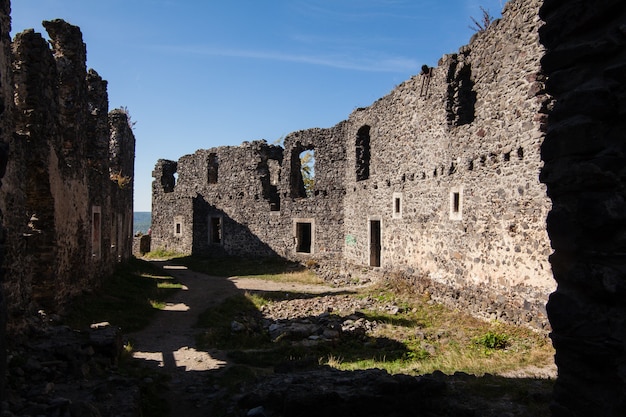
{"type": "Point", "coordinates": [363, 153]}
{"type": "Point", "coordinates": [397, 205]}
{"type": "Point", "coordinates": [212, 166]}
{"type": "Point", "coordinates": [456, 203]}
{"type": "Point", "coordinates": [178, 226]}
{"type": "Point", "coordinates": [96, 229]}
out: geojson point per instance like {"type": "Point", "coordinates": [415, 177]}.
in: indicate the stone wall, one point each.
{"type": "Point", "coordinates": [6, 95]}
{"type": "Point", "coordinates": [67, 193]}
{"type": "Point", "coordinates": [436, 182]}
{"type": "Point", "coordinates": [585, 159]}
{"type": "Point", "coordinates": [221, 201]}
{"type": "Point", "coordinates": [453, 175]}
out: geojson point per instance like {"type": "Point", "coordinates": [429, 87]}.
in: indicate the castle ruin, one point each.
{"type": "Point", "coordinates": [407, 183]}
{"type": "Point", "coordinates": [67, 194]}
{"type": "Point", "coordinates": [436, 182]}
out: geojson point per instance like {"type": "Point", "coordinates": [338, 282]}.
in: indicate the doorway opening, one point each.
{"type": "Point", "coordinates": [375, 242]}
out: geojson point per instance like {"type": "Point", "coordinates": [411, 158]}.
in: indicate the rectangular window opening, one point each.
{"type": "Point", "coordinates": [456, 203]}
{"type": "Point", "coordinates": [397, 206]}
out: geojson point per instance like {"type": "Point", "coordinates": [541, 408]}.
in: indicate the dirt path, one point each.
{"type": "Point", "coordinates": [169, 341]}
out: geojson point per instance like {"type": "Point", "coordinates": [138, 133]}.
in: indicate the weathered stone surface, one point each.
{"type": "Point", "coordinates": [435, 182]}
{"type": "Point", "coordinates": [6, 100]}
{"type": "Point", "coordinates": [62, 372]}
{"type": "Point", "coordinates": [584, 172]}
{"type": "Point", "coordinates": [68, 186]}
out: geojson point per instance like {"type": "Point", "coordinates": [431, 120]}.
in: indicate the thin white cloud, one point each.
{"type": "Point", "coordinates": [370, 64]}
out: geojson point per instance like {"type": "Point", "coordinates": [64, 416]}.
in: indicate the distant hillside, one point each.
{"type": "Point", "coordinates": [142, 221]}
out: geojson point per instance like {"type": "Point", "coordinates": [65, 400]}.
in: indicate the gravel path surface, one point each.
{"type": "Point", "coordinates": [169, 342]}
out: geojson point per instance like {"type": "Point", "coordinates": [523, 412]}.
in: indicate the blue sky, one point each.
{"type": "Point", "coordinates": [196, 74]}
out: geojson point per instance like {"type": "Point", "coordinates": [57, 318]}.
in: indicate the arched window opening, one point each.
{"type": "Point", "coordinates": [363, 153]}
{"type": "Point", "coordinates": [302, 172]}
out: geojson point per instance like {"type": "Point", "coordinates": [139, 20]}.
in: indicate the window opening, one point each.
{"type": "Point", "coordinates": [178, 226]}
{"type": "Point", "coordinates": [456, 203]}
{"type": "Point", "coordinates": [215, 230]}
{"type": "Point", "coordinates": [212, 166]}
{"type": "Point", "coordinates": [96, 229]}
{"type": "Point", "coordinates": [304, 237]}
{"type": "Point", "coordinates": [302, 179]}
{"type": "Point", "coordinates": [461, 100]}
{"type": "Point", "coordinates": [168, 176]}
{"type": "Point", "coordinates": [307, 169]}
{"type": "Point", "coordinates": [397, 205]}
{"type": "Point", "coordinates": [363, 153]}
{"type": "Point", "coordinates": [270, 177]}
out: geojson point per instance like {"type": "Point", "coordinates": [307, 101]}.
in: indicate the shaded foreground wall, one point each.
{"type": "Point", "coordinates": [67, 192]}
{"type": "Point", "coordinates": [6, 94]}
{"type": "Point", "coordinates": [585, 172]}
{"type": "Point", "coordinates": [437, 182]}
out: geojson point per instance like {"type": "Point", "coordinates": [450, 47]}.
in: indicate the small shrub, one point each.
{"type": "Point", "coordinates": [485, 21]}
{"type": "Point", "coordinates": [121, 180]}
{"type": "Point", "coordinates": [492, 340]}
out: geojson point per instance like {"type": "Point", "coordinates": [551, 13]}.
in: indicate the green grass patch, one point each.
{"type": "Point", "coordinates": [270, 268]}
{"type": "Point", "coordinates": [128, 299]}
{"type": "Point", "coordinates": [416, 338]}
{"type": "Point", "coordinates": [162, 253]}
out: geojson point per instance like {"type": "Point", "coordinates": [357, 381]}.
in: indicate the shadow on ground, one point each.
{"type": "Point", "coordinates": [239, 363]}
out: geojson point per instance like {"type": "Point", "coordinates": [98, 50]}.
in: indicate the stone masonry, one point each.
{"type": "Point", "coordinates": [437, 182]}
{"type": "Point", "coordinates": [585, 172]}
{"type": "Point", "coordinates": [68, 189]}
{"type": "Point", "coordinates": [6, 95]}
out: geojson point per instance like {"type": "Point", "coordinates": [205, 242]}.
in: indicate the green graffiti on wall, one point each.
{"type": "Point", "coordinates": [350, 240]}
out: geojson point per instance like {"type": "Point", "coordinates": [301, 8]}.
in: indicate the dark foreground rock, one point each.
{"type": "Point", "coordinates": [333, 393]}
{"type": "Point", "coordinates": [330, 392]}
{"type": "Point", "coordinates": [58, 371]}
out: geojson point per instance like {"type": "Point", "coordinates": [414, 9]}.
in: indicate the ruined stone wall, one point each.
{"type": "Point", "coordinates": [222, 201]}
{"type": "Point", "coordinates": [62, 197]}
{"type": "Point", "coordinates": [436, 182]}
{"type": "Point", "coordinates": [6, 95]}
{"type": "Point", "coordinates": [453, 175]}
{"type": "Point", "coordinates": [250, 199]}
{"type": "Point", "coordinates": [324, 206]}
{"type": "Point", "coordinates": [585, 158]}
